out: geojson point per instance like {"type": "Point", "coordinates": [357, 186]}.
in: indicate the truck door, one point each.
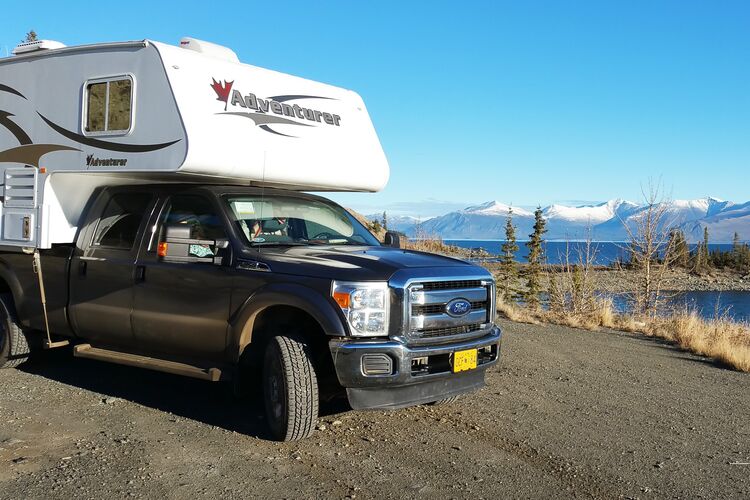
{"type": "Point", "coordinates": [101, 276]}
{"type": "Point", "coordinates": [183, 307]}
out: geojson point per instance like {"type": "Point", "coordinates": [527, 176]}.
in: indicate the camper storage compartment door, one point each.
{"type": "Point", "coordinates": [19, 205]}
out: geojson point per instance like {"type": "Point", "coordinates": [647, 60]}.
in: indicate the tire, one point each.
{"type": "Point", "coordinates": [445, 401]}
{"type": "Point", "coordinates": [290, 388]}
{"type": "Point", "coordinates": [14, 348]}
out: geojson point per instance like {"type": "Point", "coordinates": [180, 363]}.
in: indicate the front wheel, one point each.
{"type": "Point", "coordinates": [290, 388]}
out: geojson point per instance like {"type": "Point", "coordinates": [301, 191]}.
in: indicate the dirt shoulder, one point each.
{"type": "Point", "coordinates": [567, 414]}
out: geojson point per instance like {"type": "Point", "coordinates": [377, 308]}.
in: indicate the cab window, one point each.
{"type": "Point", "coordinates": [198, 213]}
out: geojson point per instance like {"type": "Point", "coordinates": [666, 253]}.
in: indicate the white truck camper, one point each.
{"type": "Point", "coordinates": [76, 118]}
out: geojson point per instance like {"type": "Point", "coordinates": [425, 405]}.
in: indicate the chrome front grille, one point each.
{"type": "Point", "coordinates": [454, 330]}
{"type": "Point", "coordinates": [450, 285]}
{"type": "Point", "coordinates": [426, 315]}
{"type": "Point", "coordinates": [440, 308]}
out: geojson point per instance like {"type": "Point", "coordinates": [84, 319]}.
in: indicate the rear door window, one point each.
{"type": "Point", "coordinates": [121, 219]}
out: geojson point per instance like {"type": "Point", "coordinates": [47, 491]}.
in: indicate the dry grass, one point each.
{"type": "Point", "coordinates": [436, 245]}
{"type": "Point", "coordinates": [720, 338]}
{"type": "Point", "coordinates": [517, 313]}
{"type": "Point", "coordinates": [432, 245]}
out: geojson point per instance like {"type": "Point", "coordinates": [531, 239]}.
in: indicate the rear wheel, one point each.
{"type": "Point", "coordinates": [14, 349]}
{"type": "Point", "coordinates": [290, 388]}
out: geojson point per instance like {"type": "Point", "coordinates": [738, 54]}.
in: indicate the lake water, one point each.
{"type": "Point", "coordinates": [605, 252]}
{"type": "Point", "coordinates": [734, 304]}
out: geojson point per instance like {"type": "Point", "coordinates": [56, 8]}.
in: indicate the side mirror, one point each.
{"type": "Point", "coordinates": [395, 239]}
{"type": "Point", "coordinates": [179, 246]}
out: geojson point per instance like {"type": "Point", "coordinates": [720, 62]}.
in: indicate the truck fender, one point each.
{"type": "Point", "coordinates": [9, 276]}
{"type": "Point", "coordinates": [284, 294]}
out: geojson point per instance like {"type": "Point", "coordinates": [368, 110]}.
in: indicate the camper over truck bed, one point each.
{"type": "Point", "coordinates": [76, 118]}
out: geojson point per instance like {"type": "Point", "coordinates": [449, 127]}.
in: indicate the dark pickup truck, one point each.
{"type": "Point", "coordinates": [226, 283]}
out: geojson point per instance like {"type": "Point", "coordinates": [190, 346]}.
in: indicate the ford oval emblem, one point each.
{"type": "Point", "coordinates": [458, 307]}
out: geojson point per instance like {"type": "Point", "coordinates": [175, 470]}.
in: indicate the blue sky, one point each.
{"type": "Point", "coordinates": [525, 102]}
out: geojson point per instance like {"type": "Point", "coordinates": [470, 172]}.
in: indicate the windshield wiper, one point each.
{"type": "Point", "coordinates": [278, 243]}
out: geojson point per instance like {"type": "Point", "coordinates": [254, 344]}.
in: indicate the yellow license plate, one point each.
{"type": "Point", "coordinates": [464, 360]}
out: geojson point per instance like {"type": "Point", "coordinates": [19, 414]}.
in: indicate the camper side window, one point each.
{"type": "Point", "coordinates": [109, 106]}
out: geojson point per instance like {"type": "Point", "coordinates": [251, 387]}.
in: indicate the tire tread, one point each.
{"type": "Point", "coordinates": [302, 387]}
{"type": "Point", "coordinates": [18, 347]}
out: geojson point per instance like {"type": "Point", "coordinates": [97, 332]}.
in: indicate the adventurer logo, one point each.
{"type": "Point", "coordinates": [92, 161]}
{"type": "Point", "coordinates": [275, 110]}
{"type": "Point", "coordinates": [222, 91]}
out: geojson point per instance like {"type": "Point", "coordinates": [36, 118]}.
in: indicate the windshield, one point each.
{"type": "Point", "coordinates": [280, 220]}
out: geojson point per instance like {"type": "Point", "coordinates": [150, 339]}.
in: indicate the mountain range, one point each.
{"type": "Point", "coordinates": [604, 221]}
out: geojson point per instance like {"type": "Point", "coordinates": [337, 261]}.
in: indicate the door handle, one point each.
{"type": "Point", "coordinates": [82, 266]}
{"type": "Point", "coordinates": [140, 274]}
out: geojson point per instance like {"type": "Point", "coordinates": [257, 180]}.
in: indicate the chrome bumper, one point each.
{"type": "Point", "coordinates": [403, 386]}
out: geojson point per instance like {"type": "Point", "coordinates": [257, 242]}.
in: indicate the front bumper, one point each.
{"type": "Point", "coordinates": [405, 385]}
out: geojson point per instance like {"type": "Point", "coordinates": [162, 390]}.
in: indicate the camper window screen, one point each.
{"type": "Point", "coordinates": [109, 106]}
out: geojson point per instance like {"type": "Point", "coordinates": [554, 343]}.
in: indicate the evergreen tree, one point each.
{"type": "Point", "coordinates": [736, 249]}
{"type": "Point", "coordinates": [508, 267]}
{"type": "Point", "coordinates": [385, 222]}
{"type": "Point", "coordinates": [705, 245]}
{"type": "Point", "coordinates": [30, 37]}
{"type": "Point", "coordinates": [679, 248]}
{"type": "Point", "coordinates": [535, 259]}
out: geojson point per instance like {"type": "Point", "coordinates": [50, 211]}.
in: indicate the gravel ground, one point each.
{"type": "Point", "coordinates": [567, 414]}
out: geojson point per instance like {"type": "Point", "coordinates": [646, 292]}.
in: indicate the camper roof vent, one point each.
{"type": "Point", "coordinates": [25, 47]}
{"type": "Point", "coordinates": [209, 49]}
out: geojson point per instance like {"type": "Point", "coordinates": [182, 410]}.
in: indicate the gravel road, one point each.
{"type": "Point", "coordinates": [567, 413]}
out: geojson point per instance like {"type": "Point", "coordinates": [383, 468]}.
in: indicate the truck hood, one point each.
{"type": "Point", "coordinates": [352, 263]}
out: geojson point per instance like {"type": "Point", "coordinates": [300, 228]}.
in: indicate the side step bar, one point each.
{"type": "Point", "coordinates": [162, 365]}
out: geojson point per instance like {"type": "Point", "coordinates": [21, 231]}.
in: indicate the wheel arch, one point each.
{"type": "Point", "coordinates": [9, 283]}
{"type": "Point", "coordinates": [288, 301]}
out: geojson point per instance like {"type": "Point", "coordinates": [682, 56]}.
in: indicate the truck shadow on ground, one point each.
{"type": "Point", "coordinates": [674, 350]}
{"type": "Point", "coordinates": [213, 404]}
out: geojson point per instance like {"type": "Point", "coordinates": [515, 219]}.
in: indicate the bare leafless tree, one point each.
{"type": "Point", "coordinates": [571, 289]}
{"type": "Point", "coordinates": [651, 248]}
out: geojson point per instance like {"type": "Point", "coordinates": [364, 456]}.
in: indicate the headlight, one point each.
{"type": "Point", "coordinates": [365, 305]}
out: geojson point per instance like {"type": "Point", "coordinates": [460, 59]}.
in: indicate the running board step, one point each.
{"type": "Point", "coordinates": [162, 365]}
{"type": "Point", "coordinates": [54, 345]}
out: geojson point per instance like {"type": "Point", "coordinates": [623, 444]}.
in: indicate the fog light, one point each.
{"type": "Point", "coordinates": [377, 364]}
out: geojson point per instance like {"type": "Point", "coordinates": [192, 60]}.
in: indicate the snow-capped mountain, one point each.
{"type": "Point", "coordinates": [605, 221]}
{"type": "Point", "coordinates": [401, 223]}
{"type": "Point", "coordinates": [497, 208]}
{"type": "Point", "coordinates": [588, 214]}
